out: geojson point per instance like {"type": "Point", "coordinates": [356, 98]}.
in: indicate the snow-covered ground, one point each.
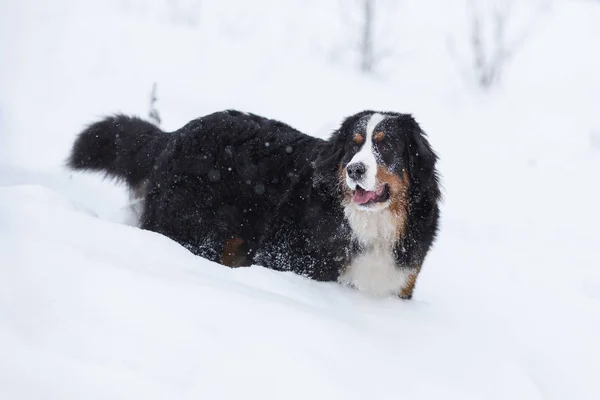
{"type": "Point", "coordinates": [508, 303]}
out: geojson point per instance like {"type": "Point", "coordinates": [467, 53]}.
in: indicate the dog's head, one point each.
{"type": "Point", "coordinates": [379, 159]}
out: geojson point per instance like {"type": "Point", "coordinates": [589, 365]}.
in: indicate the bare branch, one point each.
{"type": "Point", "coordinates": [367, 60]}
{"type": "Point", "coordinates": [489, 43]}
{"type": "Point", "coordinates": [153, 114]}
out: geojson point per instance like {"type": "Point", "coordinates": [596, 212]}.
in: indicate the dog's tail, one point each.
{"type": "Point", "coordinates": [123, 147]}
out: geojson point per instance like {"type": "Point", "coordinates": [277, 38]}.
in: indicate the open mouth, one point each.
{"type": "Point", "coordinates": [367, 197]}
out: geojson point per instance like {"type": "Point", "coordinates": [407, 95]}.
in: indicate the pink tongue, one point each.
{"type": "Point", "coordinates": [364, 196]}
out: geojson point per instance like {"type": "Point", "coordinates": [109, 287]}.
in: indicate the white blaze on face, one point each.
{"type": "Point", "coordinates": [366, 155]}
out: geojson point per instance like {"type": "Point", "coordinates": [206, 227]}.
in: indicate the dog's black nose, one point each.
{"type": "Point", "coordinates": [356, 171]}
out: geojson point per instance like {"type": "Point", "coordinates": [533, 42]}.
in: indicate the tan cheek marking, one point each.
{"type": "Point", "coordinates": [398, 196]}
{"type": "Point", "coordinates": [379, 136]}
{"type": "Point", "coordinates": [358, 138]}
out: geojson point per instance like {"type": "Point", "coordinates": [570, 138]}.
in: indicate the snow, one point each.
{"type": "Point", "coordinates": [507, 305]}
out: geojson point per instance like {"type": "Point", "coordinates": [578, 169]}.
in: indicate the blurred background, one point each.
{"type": "Point", "coordinates": [508, 91]}
{"type": "Point", "coordinates": [527, 65]}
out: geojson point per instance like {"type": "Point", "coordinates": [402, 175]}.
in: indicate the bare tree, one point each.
{"type": "Point", "coordinates": [366, 23]}
{"type": "Point", "coordinates": [490, 63]}
{"type": "Point", "coordinates": [366, 47]}
{"type": "Point", "coordinates": [185, 12]}
{"type": "Point", "coordinates": [491, 44]}
{"type": "Point", "coordinates": [153, 114]}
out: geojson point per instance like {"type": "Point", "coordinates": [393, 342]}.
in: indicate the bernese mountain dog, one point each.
{"type": "Point", "coordinates": [360, 208]}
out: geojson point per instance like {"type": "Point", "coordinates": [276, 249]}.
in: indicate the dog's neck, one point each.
{"type": "Point", "coordinates": [373, 228]}
{"type": "Point", "coordinates": [374, 269]}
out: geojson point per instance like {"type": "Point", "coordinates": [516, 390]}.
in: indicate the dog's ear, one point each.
{"type": "Point", "coordinates": [421, 157]}
{"type": "Point", "coordinates": [328, 160]}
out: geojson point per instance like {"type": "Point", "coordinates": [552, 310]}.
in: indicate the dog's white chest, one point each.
{"type": "Point", "coordinates": [375, 272]}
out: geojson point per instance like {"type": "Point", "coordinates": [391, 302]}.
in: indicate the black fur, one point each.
{"type": "Point", "coordinates": [234, 175]}
{"type": "Point", "coordinates": [123, 147]}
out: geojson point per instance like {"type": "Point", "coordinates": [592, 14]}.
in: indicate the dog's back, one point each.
{"type": "Point", "coordinates": [212, 185]}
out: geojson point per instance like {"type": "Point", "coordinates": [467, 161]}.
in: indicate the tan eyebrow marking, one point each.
{"type": "Point", "coordinates": [358, 138]}
{"type": "Point", "coordinates": [378, 136]}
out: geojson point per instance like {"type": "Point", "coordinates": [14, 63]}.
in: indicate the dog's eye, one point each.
{"type": "Point", "coordinates": [384, 148]}
{"type": "Point", "coordinates": [355, 148]}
